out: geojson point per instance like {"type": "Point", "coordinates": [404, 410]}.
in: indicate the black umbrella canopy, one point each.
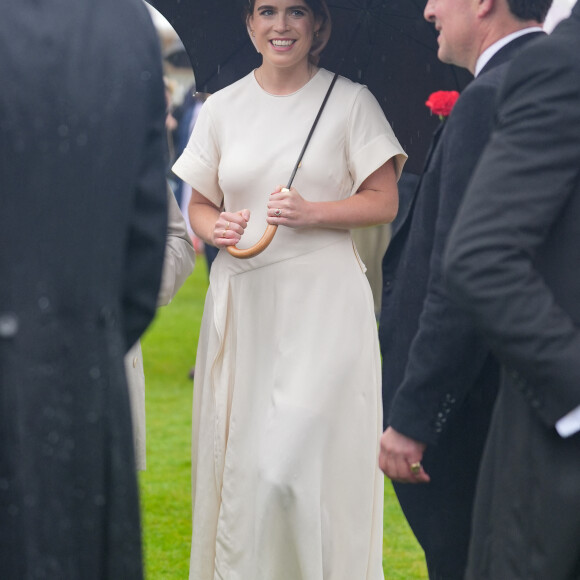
{"type": "Point", "coordinates": [389, 46]}
{"type": "Point", "coordinates": [215, 38]}
{"type": "Point", "coordinates": [384, 44]}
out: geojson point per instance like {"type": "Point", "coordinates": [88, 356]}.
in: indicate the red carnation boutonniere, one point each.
{"type": "Point", "coordinates": [441, 102]}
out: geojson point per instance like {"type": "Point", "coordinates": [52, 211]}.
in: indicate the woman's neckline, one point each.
{"type": "Point", "coordinates": [263, 90]}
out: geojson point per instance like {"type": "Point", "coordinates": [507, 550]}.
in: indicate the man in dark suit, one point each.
{"type": "Point", "coordinates": [439, 380]}
{"type": "Point", "coordinates": [82, 234]}
{"type": "Point", "coordinates": [512, 262]}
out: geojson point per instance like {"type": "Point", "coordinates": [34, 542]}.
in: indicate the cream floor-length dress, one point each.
{"type": "Point", "coordinates": [287, 395]}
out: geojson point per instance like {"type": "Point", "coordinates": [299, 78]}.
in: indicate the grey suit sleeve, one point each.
{"type": "Point", "coordinates": [527, 176]}
{"type": "Point", "coordinates": [447, 353]}
{"type": "Point", "coordinates": [179, 253]}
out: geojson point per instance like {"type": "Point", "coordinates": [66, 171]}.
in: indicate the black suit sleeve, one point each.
{"type": "Point", "coordinates": [148, 227]}
{"type": "Point", "coordinates": [447, 354]}
{"type": "Point", "coordinates": [521, 190]}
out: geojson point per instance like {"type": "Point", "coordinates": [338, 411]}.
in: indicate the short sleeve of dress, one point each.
{"type": "Point", "coordinates": [199, 162]}
{"type": "Point", "coordinates": [370, 140]}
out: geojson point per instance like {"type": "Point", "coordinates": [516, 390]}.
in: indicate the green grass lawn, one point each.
{"type": "Point", "coordinates": [169, 351]}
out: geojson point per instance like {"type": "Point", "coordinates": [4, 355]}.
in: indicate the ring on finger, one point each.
{"type": "Point", "coordinates": [227, 226]}
{"type": "Point", "coordinates": [415, 467]}
{"type": "Point", "coordinates": [278, 213]}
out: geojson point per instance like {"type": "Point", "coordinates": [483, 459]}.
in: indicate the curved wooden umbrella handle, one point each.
{"type": "Point", "coordinates": [257, 248]}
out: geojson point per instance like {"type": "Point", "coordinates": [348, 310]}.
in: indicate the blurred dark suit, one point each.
{"type": "Point", "coordinates": [513, 263]}
{"type": "Point", "coordinates": [82, 235]}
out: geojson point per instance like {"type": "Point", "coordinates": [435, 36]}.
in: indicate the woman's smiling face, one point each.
{"type": "Point", "coordinates": [283, 31]}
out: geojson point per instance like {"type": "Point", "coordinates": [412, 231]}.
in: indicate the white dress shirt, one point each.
{"type": "Point", "coordinates": [486, 55]}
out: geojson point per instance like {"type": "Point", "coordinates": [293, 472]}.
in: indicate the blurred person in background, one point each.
{"type": "Point", "coordinates": [83, 222]}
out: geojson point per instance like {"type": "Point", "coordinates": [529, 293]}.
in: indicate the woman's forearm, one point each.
{"type": "Point", "coordinates": [366, 208]}
{"type": "Point", "coordinates": [376, 202]}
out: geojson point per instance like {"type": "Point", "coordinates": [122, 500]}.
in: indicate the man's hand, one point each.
{"type": "Point", "coordinates": [401, 456]}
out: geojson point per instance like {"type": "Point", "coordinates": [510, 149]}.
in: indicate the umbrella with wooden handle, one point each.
{"type": "Point", "coordinates": [259, 246]}
{"type": "Point", "coordinates": [268, 236]}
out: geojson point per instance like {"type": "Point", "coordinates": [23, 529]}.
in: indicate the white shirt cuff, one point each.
{"type": "Point", "coordinates": [569, 424]}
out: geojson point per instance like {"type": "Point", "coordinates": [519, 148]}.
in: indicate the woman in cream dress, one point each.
{"type": "Point", "coordinates": [287, 408]}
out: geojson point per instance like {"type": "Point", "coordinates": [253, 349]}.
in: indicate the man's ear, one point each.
{"type": "Point", "coordinates": [486, 7]}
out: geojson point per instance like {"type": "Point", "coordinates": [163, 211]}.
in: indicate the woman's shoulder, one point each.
{"type": "Point", "coordinates": [342, 83]}
{"type": "Point", "coordinates": [349, 92]}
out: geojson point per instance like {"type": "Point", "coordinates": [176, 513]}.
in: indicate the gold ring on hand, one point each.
{"type": "Point", "coordinates": [415, 467]}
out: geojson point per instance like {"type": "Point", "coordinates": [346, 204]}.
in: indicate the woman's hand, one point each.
{"type": "Point", "coordinates": [229, 228]}
{"type": "Point", "coordinates": [376, 202]}
{"type": "Point", "coordinates": [286, 207]}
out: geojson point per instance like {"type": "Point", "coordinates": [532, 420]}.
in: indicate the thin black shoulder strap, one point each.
{"type": "Point", "coordinates": [312, 131]}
